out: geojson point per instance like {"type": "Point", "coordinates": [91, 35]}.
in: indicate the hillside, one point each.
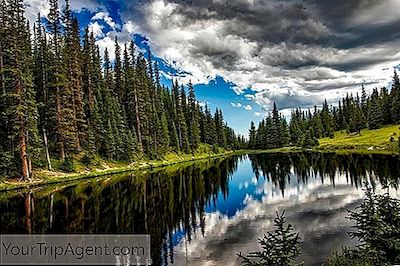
{"type": "Point", "coordinates": [368, 140]}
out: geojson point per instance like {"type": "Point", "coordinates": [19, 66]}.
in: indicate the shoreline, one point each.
{"type": "Point", "coordinates": [65, 177]}
{"type": "Point", "coordinates": [156, 165]}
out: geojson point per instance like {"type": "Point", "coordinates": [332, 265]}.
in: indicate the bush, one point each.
{"type": "Point", "coordinates": [87, 159]}
{"type": "Point", "coordinates": [215, 148]}
{"type": "Point", "coordinates": [68, 165]}
{"type": "Point", "coordinates": [378, 230]}
{"type": "Point", "coordinates": [378, 225]}
{"type": "Point", "coordinates": [354, 257]}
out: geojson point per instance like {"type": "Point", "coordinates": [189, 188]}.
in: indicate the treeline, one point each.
{"type": "Point", "coordinates": [351, 114]}
{"type": "Point", "coordinates": [60, 98]}
{"type": "Point", "coordinates": [272, 132]}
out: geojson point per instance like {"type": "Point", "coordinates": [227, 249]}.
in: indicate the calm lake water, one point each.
{"type": "Point", "coordinates": [203, 213]}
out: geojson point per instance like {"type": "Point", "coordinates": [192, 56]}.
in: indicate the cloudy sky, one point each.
{"type": "Point", "coordinates": [245, 54]}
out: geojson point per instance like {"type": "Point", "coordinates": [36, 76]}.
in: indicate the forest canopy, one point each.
{"type": "Point", "coordinates": [60, 97]}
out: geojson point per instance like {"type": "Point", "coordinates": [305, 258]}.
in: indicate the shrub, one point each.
{"type": "Point", "coordinates": [215, 148]}
{"type": "Point", "coordinates": [68, 165]}
{"type": "Point", "coordinates": [353, 257]}
{"type": "Point", "coordinates": [378, 230]}
{"type": "Point", "coordinates": [378, 225]}
{"type": "Point", "coordinates": [87, 159]}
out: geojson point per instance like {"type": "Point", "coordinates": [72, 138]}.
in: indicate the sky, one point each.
{"type": "Point", "coordinates": [243, 55]}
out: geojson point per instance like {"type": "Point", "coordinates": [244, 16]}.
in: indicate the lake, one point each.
{"type": "Point", "coordinates": [205, 212]}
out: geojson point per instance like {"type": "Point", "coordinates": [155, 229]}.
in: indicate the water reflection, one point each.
{"type": "Point", "coordinates": [206, 212]}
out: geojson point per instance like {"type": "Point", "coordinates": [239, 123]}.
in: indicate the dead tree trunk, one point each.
{"type": "Point", "coordinates": [46, 147]}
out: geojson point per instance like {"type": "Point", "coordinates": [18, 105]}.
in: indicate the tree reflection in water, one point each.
{"type": "Point", "coordinates": [170, 204]}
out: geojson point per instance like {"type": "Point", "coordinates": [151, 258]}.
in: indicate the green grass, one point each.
{"type": "Point", "coordinates": [372, 141]}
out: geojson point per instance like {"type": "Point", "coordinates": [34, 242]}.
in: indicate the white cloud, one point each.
{"type": "Point", "coordinates": [327, 200]}
{"type": "Point", "coordinates": [33, 7]}
{"type": "Point", "coordinates": [97, 29]}
{"type": "Point", "coordinates": [205, 48]}
{"type": "Point", "coordinates": [202, 104]}
{"type": "Point", "coordinates": [248, 107]}
{"type": "Point", "coordinates": [107, 41]}
{"type": "Point", "coordinates": [212, 45]}
{"type": "Point", "coordinates": [239, 105]}
{"type": "Point", "coordinates": [106, 18]}
{"type": "Point", "coordinates": [131, 27]}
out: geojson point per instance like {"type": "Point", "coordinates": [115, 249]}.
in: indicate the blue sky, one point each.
{"type": "Point", "coordinates": [243, 55]}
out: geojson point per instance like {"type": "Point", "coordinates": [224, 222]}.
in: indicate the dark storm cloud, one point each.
{"type": "Point", "coordinates": [221, 56]}
{"type": "Point", "coordinates": [337, 85]}
{"type": "Point", "coordinates": [304, 21]}
{"type": "Point", "coordinates": [265, 22]}
{"type": "Point", "coordinates": [371, 34]}
{"type": "Point", "coordinates": [308, 21]}
{"type": "Point", "coordinates": [359, 64]}
{"type": "Point", "coordinates": [336, 13]}
{"type": "Point", "coordinates": [292, 51]}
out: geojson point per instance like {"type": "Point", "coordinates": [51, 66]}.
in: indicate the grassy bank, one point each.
{"type": "Point", "coordinates": [378, 141]}
{"type": "Point", "coordinates": [104, 168]}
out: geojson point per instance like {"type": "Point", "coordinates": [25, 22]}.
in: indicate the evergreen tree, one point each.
{"type": "Point", "coordinates": [210, 133]}
{"type": "Point", "coordinates": [276, 128]}
{"type": "Point", "coordinates": [143, 104]}
{"type": "Point", "coordinates": [62, 87]}
{"type": "Point", "coordinates": [220, 128]}
{"type": "Point", "coordinates": [285, 135]}
{"type": "Point", "coordinates": [395, 96]}
{"type": "Point", "coordinates": [280, 247]}
{"type": "Point", "coordinates": [40, 78]}
{"type": "Point", "coordinates": [252, 136]}
{"type": "Point", "coordinates": [180, 110]}
{"type": "Point", "coordinates": [118, 87]}
{"type": "Point", "coordinates": [309, 140]}
{"type": "Point", "coordinates": [19, 115]}
{"type": "Point", "coordinates": [163, 137]}
{"type": "Point", "coordinates": [295, 129]}
{"type": "Point", "coordinates": [194, 131]}
{"type": "Point", "coordinates": [385, 106]}
{"type": "Point", "coordinates": [73, 87]}
{"type": "Point", "coordinates": [326, 121]}
{"type": "Point", "coordinates": [364, 103]}
{"type": "Point", "coordinates": [377, 222]}
{"type": "Point", "coordinates": [134, 97]}
{"type": "Point", "coordinates": [61, 94]}
{"type": "Point", "coordinates": [375, 111]}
